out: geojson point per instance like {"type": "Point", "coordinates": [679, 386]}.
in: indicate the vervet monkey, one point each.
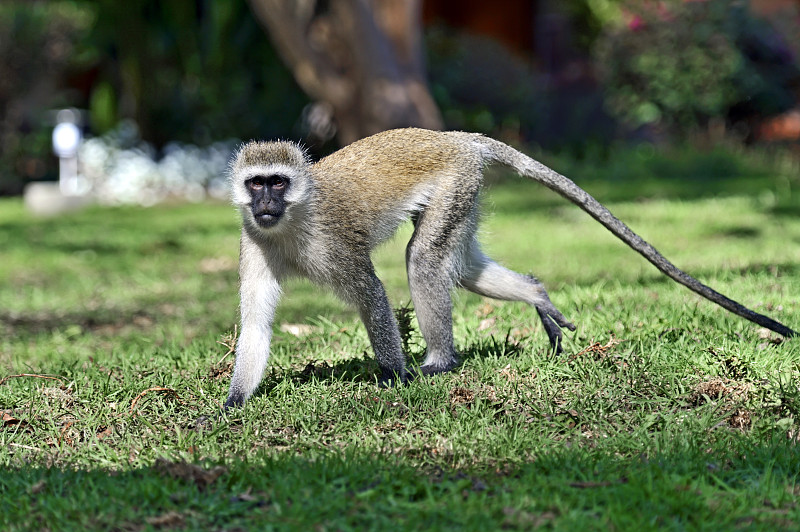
{"type": "Point", "coordinates": [321, 221]}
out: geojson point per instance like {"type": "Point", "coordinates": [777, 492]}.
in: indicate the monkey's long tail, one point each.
{"type": "Point", "coordinates": [504, 154]}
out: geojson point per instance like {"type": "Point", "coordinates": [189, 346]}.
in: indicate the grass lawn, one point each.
{"type": "Point", "coordinates": [665, 412]}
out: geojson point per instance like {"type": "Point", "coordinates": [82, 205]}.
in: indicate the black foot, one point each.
{"type": "Point", "coordinates": [425, 371]}
{"type": "Point", "coordinates": [390, 379]}
{"type": "Point", "coordinates": [553, 331]}
{"type": "Point", "coordinates": [233, 401]}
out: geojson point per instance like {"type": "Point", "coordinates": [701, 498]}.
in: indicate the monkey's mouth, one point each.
{"type": "Point", "coordinates": [266, 219]}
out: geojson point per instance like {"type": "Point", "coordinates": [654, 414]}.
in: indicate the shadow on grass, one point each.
{"type": "Point", "coordinates": [366, 369]}
{"type": "Point", "coordinates": [352, 370]}
{"type": "Point", "coordinates": [113, 319]}
{"type": "Point", "coordinates": [729, 483]}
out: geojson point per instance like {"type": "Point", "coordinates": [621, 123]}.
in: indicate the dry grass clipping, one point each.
{"type": "Point", "coordinates": [730, 394]}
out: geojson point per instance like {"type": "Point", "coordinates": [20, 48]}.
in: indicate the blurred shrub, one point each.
{"type": "Point", "coordinates": [679, 64]}
{"type": "Point", "coordinates": [38, 43]}
{"type": "Point", "coordinates": [478, 84]}
{"type": "Point", "coordinates": [592, 18]}
{"type": "Point", "coordinates": [481, 86]}
{"type": "Point", "coordinates": [192, 72]}
{"type": "Point", "coordinates": [187, 72]}
{"type": "Point", "coordinates": [121, 168]}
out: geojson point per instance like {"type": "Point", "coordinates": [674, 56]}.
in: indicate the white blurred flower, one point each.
{"type": "Point", "coordinates": [123, 170]}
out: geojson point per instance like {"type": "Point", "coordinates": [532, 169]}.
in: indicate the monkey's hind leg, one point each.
{"type": "Point", "coordinates": [485, 277]}
{"type": "Point", "coordinates": [432, 261]}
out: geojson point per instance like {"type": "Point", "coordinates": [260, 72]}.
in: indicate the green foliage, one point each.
{"type": "Point", "coordinates": [593, 17]}
{"type": "Point", "coordinates": [198, 72]}
{"type": "Point", "coordinates": [665, 412]}
{"type": "Point", "coordinates": [103, 116]}
{"type": "Point", "coordinates": [689, 61]}
{"type": "Point", "coordinates": [38, 43]}
{"type": "Point", "coordinates": [481, 86]}
{"type": "Point", "coordinates": [478, 83]}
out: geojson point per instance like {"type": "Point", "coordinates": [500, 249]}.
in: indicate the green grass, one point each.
{"type": "Point", "coordinates": [665, 412]}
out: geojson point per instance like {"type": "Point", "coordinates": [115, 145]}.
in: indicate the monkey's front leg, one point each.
{"type": "Point", "coordinates": [384, 335]}
{"type": "Point", "coordinates": [259, 292]}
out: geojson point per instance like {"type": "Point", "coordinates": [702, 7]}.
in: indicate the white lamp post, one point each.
{"type": "Point", "coordinates": [66, 141]}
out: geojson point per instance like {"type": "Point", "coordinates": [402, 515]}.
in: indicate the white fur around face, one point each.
{"type": "Point", "coordinates": [296, 198]}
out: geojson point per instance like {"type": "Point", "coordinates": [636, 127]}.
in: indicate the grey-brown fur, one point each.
{"type": "Point", "coordinates": [338, 209]}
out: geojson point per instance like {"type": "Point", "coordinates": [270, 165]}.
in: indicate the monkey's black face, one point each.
{"type": "Point", "coordinates": [267, 193]}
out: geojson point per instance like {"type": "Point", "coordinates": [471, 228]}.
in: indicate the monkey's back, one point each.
{"type": "Point", "coordinates": [390, 168]}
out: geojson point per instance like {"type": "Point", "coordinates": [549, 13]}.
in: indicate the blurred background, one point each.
{"type": "Point", "coordinates": [162, 91]}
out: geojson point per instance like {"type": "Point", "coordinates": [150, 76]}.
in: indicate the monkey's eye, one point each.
{"type": "Point", "coordinates": [276, 181]}
{"type": "Point", "coordinates": [256, 183]}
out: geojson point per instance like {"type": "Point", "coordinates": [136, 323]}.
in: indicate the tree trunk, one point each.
{"type": "Point", "coordinates": [362, 59]}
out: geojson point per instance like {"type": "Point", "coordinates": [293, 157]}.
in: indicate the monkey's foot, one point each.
{"type": "Point", "coordinates": [234, 400]}
{"type": "Point", "coordinates": [554, 315]}
{"type": "Point", "coordinates": [552, 324]}
{"type": "Point", "coordinates": [390, 379]}
{"type": "Point", "coordinates": [427, 370]}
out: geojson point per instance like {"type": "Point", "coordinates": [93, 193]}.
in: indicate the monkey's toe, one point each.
{"type": "Point", "coordinates": [234, 401]}
{"type": "Point", "coordinates": [553, 331]}
{"type": "Point", "coordinates": [426, 371]}
{"type": "Point", "coordinates": [561, 321]}
{"type": "Point", "coordinates": [203, 424]}
{"type": "Point", "coordinates": [390, 379]}
{"type": "Point", "coordinates": [548, 312]}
